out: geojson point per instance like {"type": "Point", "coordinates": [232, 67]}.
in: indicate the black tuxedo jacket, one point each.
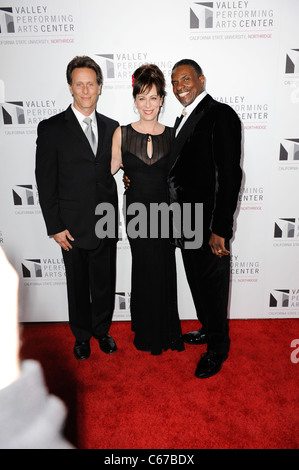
{"type": "Point", "coordinates": [71, 180]}
{"type": "Point", "coordinates": [204, 165]}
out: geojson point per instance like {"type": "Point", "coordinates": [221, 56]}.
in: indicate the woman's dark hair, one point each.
{"type": "Point", "coordinates": [80, 62]}
{"type": "Point", "coordinates": [191, 63]}
{"type": "Point", "coordinates": [145, 77]}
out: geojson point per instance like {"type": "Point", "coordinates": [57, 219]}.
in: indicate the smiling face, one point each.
{"type": "Point", "coordinates": [186, 84]}
{"type": "Point", "coordinates": [148, 104]}
{"type": "Point", "coordinates": [85, 90]}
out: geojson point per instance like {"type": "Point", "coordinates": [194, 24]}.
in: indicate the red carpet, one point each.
{"type": "Point", "coordinates": [133, 400]}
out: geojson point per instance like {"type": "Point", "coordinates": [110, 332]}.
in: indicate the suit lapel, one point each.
{"type": "Point", "coordinates": [73, 124]}
{"type": "Point", "coordinates": [101, 133]}
{"type": "Point", "coordinates": [177, 122]}
{"type": "Point", "coordinates": [187, 129]}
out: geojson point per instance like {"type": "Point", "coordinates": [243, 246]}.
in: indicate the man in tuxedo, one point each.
{"type": "Point", "coordinates": [205, 168]}
{"type": "Point", "coordinates": [73, 157]}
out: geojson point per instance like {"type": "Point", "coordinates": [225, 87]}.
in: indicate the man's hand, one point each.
{"type": "Point", "coordinates": [126, 181]}
{"type": "Point", "coordinates": [217, 245]}
{"type": "Point", "coordinates": [62, 238]}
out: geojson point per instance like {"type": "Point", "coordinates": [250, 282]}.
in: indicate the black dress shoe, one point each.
{"type": "Point", "coordinates": [107, 344]}
{"type": "Point", "coordinates": [82, 350]}
{"type": "Point", "coordinates": [195, 337]}
{"type": "Point", "coordinates": [209, 364]}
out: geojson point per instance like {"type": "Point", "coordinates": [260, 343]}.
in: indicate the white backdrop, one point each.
{"type": "Point", "coordinates": [249, 52]}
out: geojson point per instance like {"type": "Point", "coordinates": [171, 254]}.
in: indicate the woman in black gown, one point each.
{"type": "Point", "coordinates": [142, 149]}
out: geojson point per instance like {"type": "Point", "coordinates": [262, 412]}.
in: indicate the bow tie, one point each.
{"type": "Point", "coordinates": [179, 119]}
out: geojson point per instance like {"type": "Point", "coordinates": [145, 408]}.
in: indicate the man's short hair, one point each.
{"type": "Point", "coordinates": [81, 62]}
{"type": "Point", "coordinates": [189, 62]}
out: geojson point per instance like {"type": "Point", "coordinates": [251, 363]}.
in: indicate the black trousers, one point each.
{"type": "Point", "coordinates": [90, 276]}
{"type": "Point", "coordinates": [209, 279]}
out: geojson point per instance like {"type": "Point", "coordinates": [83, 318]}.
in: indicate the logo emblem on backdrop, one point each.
{"type": "Point", "coordinates": [292, 61]}
{"type": "Point", "coordinates": [118, 66]}
{"type": "Point", "coordinates": [13, 112]}
{"type": "Point", "coordinates": [284, 298]}
{"type": "Point", "coordinates": [107, 64]}
{"type": "Point", "coordinates": [228, 17]}
{"type": "Point", "coordinates": [25, 200]}
{"type": "Point", "coordinates": [122, 304]}
{"type": "Point", "coordinates": [279, 298]}
{"type": "Point", "coordinates": [29, 112]}
{"type": "Point", "coordinates": [23, 195]}
{"type": "Point", "coordinates": [285, 228]}
{"type": "Point", "coordinates": [37, 19]}
{"type": "Point", "coordinates": [120, 301]}
{"type": "Point", "coordinates": [6, 20]}
{"type": "Point", "coordinates": [32, 268]}
{"type": "Point", "coordinates": [286, 232]}
{"type": "Point", "coordinates": [289, 150]}
{"type": "Point", "coordinates": [49, 269]}
{"type": "Point", "coordinates": [201, 15]}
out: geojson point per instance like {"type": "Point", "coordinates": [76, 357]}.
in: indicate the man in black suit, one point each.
{"type": "Point", "coordinates": [205, 168]}
{"type": "Point", "coordinates": [73, 176]}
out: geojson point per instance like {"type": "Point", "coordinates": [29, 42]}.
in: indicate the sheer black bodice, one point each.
{"type": "Point", "coordinates": [147, 175]}
{"type": "Point", "coordinates": [136, 143]}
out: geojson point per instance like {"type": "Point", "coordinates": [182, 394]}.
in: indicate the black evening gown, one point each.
{"type": "Point", "coordinates": [154, 310]}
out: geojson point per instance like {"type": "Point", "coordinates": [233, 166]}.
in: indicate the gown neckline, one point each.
{"type": "Point", "coordinates": [152, 135]}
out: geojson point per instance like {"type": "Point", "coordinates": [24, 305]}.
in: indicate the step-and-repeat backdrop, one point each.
{"type": "Point", "coordinates": [249, 52]}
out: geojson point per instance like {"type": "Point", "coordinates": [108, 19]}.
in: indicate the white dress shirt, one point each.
{"type": "Point", "coordinates": [93, 118]}
{"type": "Point", "coordinates": [189, 109]}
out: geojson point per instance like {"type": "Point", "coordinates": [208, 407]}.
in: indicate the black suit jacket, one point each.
{"type": "Point", "coordinates": [71, 180]}
{"type": "Point", "coordinates": [205, 165]}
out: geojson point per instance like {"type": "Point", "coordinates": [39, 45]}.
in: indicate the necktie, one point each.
{"type": "Point", "coordinates": [90, 134]}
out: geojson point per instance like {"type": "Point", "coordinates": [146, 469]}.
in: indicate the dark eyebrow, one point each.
{"type": "Point", "coordinates": [181, 78]}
